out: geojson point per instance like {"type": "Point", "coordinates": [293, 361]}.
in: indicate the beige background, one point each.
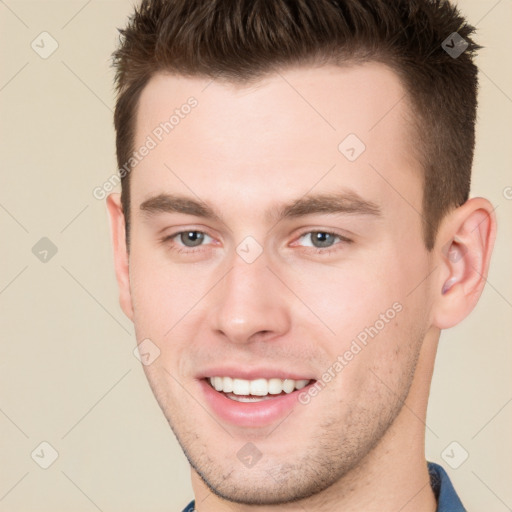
{"type": "Point", "coordinates": [67, 372]}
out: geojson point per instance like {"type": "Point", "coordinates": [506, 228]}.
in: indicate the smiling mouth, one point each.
{"type": "Point", "coordinates": [257, 390]}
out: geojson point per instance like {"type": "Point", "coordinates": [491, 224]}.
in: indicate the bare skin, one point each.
{"type": "Point", "coordinates": [359, 443]}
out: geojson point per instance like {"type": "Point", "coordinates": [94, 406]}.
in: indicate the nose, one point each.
{"type": "Point", "coordinates": [250, 303]}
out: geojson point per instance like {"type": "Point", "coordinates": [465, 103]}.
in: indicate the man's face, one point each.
{"type": "Point", "coordinates": [251, 295]}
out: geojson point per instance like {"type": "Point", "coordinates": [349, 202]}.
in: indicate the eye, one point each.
{"type": "Point", "coordinates": [188, 239]}
{"type": "Point", "coordinates": [323, 241]}
{"type": "Point", "coordinates": [192, 238]}
{"type": "Point", "coordinates": [320, 242]}
{"type": "Point", "coordinates": [320, 239]}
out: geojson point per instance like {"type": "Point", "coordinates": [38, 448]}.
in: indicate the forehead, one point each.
{"type": "Point", "coordinates": [278, 138]}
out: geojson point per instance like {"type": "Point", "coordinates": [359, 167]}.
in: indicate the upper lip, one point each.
{"type": "Point", "coordinates": [254, 373]}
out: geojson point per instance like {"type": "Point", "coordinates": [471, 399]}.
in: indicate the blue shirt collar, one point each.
{"type": "Point", "coordinates": [447, 499]}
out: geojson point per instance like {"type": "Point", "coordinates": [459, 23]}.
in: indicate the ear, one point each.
{"type": "Point", "coordinates": [463, 252]}
{"type": "Point", "coordinates": [121, 258]}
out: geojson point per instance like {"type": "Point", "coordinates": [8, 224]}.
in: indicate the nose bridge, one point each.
{"type": "Point", "coordinates": [249, 300]}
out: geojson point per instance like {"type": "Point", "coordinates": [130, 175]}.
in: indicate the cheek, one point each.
{"type": "Point", "coordinates": [151, 304]}
{"type": "Point", "coordinates": [349, 296]}
{"type": "Point", "coordinates": [369, 305]}
{"type": "Point", "coordinates": [161, 293]}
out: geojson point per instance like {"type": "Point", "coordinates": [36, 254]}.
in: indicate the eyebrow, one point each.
{"type": "Point", "coordinates": [342, 203]}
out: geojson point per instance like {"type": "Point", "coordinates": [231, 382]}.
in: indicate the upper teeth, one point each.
{"type": "Point", "coordinates": [258, 387]}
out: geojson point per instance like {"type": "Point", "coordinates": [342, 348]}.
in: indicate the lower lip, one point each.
{"type": "Point", "coordinates": [250, 414]}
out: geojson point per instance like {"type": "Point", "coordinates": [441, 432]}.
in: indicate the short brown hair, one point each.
{"type": "Point", "coordinates": [242, 40]}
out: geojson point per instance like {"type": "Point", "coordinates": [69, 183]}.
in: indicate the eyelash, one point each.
{"type": "Point", "coordinates": [201, 248]}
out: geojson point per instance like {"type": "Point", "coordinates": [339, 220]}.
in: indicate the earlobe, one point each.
{"type": "Point", "coordinates": [121, 259]}
{"type": "Point", "coordinates": [465, 243]}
